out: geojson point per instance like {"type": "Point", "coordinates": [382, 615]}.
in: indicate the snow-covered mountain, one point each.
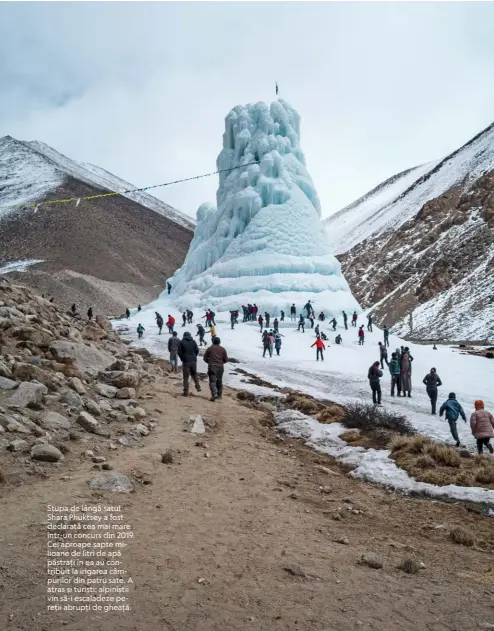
{"type": "Point", "coordinates": [110, 252]}
{"type": "Point", "coordinates": [264, 243]}
{"type": "Point", "coordinates": [419, 248]}
{"type": "Point", "coordinates": [28, 170]}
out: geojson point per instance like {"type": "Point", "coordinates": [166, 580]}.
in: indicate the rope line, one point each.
{"type": "Point", "coordinates": [68, 200]}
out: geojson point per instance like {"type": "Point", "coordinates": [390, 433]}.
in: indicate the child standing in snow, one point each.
{"type": "Point", "coordinates": [361, 335]}
{"type": "Point", "coordinates": [140, 330]}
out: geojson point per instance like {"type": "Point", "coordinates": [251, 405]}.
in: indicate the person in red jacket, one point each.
{"type": "Point", "coordinates": [354, 318]}
{"type": "Point", "coordinates": [260, 320]}
{"type": "Point", "coordinates": [170, 323]}
{"type": "Point", "coordinates": [361, 335]}
{"type": "Point", "coordinates": [319, 344]}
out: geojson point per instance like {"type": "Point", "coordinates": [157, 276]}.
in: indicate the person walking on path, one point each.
{"type": "Point", "coordinates": [374, 375]}
{"type": "Point", "coordinates": [170, 323]}
{"type": "Point", "coordinates": [383, 355]}
{"type": "Point", "coordinates": [201, 332]}
{"type": "Point", "coordinates": [308, 308]}
{"type": "Point", "coordinates": [369, 323]}
{"type": "Point", "coordinates": [169, 287]}
{"type": "Point", "coordinates": [232, 319]}
{"type": "Point", "coordinates": [361, 336]}
{"type": "Point", "coordinates": [140, 330]}
{"type": "Point", "coordinates": [188, 352]}
{"type": "Point", "coordinates": [267, 343]}
{"type": "Point", "coordinates": [267, 317]}
{"type": "Point", "coordinates": [260, 320]}
{"type": "Point", "coordinates": [184, 318]}
{"type": "Point", "coordinates": [431, 382]}
{"type": "Point", "coordinates": [345, 320]}
{"type": "Point", "coordinates": [90, 313]}
{"type": "Point", "coordinates": [216, 358]}
{"type": "Point", "coordinates": [311, 320]}
{"type": "Point", "coordinates": [386, 335]}
{"type": "Point", "coordinates": [482, 424]}
{"type": "Point", "coordinates": [317, 330]}
{"type": "Point", "coordinates": [301, 323]}
{"type": "Point", "coordinates": [293, 313]}
{"type": "Point", "coordinates": [190, 316]}
{"type": "Point", "coordinates": [173, 344]}
{"type": "Point", "coordinates": [394, 371]}
{"type": "Point", "coordinates": [207, 317]}
{"type": "Point", "coordinates": [159, 322]}
{"type": "Point", "coordinates": [139, 308]}
{"type": "Point", "coordinates": [319, 344]}
{"type": "Point", "coordinates": [354, 319]}
{"type": "Point", "coordinates": [212, 331]}
{"type": "Point", "coordinates": [406, 374]}
{"type": "Point", "coordinates": [127, 313]}
{"type": "Point", "coordinates": [277, 342]}
{"type": "Point", "coordinates": [453, 410]}
{"type": "Point", "coordinates": [282, 316]}
{"type": "Point", "coordinates": [334, 323]}
{"type": "Point", "coordinates": [276, 325]}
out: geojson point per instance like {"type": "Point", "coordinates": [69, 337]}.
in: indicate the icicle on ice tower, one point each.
{"type": "Point", "coordinates": [264, 243]}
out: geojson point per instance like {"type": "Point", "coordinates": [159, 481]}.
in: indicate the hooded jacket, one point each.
{"type": "Point", "coordinates": [173, 344]}
{"type": "Point", "coordinates": [432, 381]}
{"type": "Point", "coordinates": [394, 367]}
{"type": "Point", "coordinates": [453, 410]}
{"type": "Point", "coordinates": [215, 355]}
{"type": "Point", "coordinates": [482, 424]}
{"type": "Point", "coordinates": [188, 349]}
{"type": "Point", "coordinates": [374, 374]}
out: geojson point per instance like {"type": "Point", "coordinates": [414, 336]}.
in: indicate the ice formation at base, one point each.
{"type": "Point", "coordinates": [264, 243]}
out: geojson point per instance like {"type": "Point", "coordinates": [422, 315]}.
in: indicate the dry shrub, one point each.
{"type": "Point", "coordinates": [350, 436]}
{"type": "Point", "coordinates": [443, 454]}
{"type": "Point", "coordinates": [425, 462]}
{"type": "Point", "coordinates": [369, 418]}
{"type": "Point", "coordinates": [409, 444]}
{"type": "Point", "coordinates": [485, 475]}
{"type": "Point", "coordinates": [330, 414]}
{"type": "Point", "coordinates": [462, 536]}
{"type": "Point", "coordinates": [303, 403]}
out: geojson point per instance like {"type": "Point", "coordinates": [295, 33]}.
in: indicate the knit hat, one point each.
{"type": "Point", "coordinates": [452, 395]}
{"type": "Point", "coordinates": [479, 405]}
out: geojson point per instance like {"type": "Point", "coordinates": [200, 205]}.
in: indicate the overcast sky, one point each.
{"type": "Point", "coordinates": [143, 89]}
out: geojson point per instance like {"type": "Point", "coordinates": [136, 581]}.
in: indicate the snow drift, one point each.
{"type": "Point", "coordinates": [264, 242]}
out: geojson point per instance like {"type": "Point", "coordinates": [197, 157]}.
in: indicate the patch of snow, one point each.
{"type": "Point", "coordinates": [18, 266]}
{"type": "Point", "coordinates": [370, 464]}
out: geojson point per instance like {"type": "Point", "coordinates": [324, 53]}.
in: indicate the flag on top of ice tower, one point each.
{"type": "Point", "coordinates": [276, 88]}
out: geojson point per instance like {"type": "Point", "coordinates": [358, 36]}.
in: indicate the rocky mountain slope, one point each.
{"type": "Point", "coordinates": [419, 249]}
{"type": "Point", "coordinates": [109, 253]}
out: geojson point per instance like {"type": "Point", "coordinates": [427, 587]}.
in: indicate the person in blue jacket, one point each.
{"type": "Point", "coordinates": [453, 410]}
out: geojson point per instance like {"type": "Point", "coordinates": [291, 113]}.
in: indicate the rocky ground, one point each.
{"type": "Point", "coordinates": [237, 528]}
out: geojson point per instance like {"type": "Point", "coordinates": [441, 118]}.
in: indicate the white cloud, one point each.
{"type": "Point", "coordinates": [142, 89]}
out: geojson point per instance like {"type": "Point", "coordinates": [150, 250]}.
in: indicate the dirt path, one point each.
{"type": "Point", "coordinates": [238, 519]}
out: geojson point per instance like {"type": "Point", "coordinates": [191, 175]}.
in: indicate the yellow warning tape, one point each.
{"type": "Point", "coordinates": [114, 193]}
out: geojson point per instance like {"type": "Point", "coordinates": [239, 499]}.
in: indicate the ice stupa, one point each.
{"type": "Point", "coordinates": [264, 242]}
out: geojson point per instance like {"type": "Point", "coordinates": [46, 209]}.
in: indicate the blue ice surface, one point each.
{"type": "Point", "coordinates": [264, 241]}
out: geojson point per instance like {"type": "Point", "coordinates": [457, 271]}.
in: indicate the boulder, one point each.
{"type": "Point", "coordinates": [196, 424]}
{"type": "Point", "coordinates": [54, 421]}
{"type": "Point", "coordinates": [72, 399]}
{"type": "Point", "coordinates": [143, 352]}
{"type": "Point", "coordinates": [120, 365]}
{"type": "Point", "coordinates": [76, 384]}
{"type": "Point", "coordinates": [28, 395]}
{"type": "Point", "coordinates": [137, 412]}
{"type": "Point", "coordinates": [140, 429]}
{"type": "Point", "coordinates": [87, 422]}
{"type": "Point", "coordinates": [92, 407]}
{"type": "Point", "coordinates": [105, 390]}
{"type": "Point", "coordinates": [88, 358]}
{"type": "Point", "coordinates": [41, 339]}
{"type": "Point", "coordinates": [128, 379]}
{"type": "Point", "coordinates": [114, 482]}
{"type": "Point", "coordinates": [5, 370]}
{"type": "Point", "coordinates": [63, 352]}
{"type": "Point", "coordinates": [35, 360]}
{"type": "Point", "coordinates": [7, 384]}
{"type": "Point", "coordinates": [93, 332]}
{"type": "Point", "coordinates": [46, 453]}
{"type": "Point", "coordinates": [28, 372]}
{"type": "Point", "coordinates": [123, 393]}
{"type": "Point", "coordinates": [18, 445]}
{"type": "Point", "coordinates": [103, 322]}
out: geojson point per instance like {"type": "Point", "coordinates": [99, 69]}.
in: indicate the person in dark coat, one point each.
{"type": "Point", "coordinates": [127, 313]}
{"type": "Point", "coordinates": [311, 320]}
{"type": "Point", "coordinates": [216, 358]}
{"type": "Point", "coordinates": [338, 339]}
{"type": "Point", "coordinates": [354, 319]}
{"type": "Point", "coordinates": [453, 411]}
{"type": "Point", "coordinates": [334, 323]}
{"type": "Point", "coordinates": [386, 335]}
{"type": "Point", "coordinates": [374, 375]}
{"type": "Point", "coordinates": [308, 308]}
{"type": "Point", "coordinates": [345, 319]}
{"type": "Point", "coordinates": [173, 344]}
{"type": "Point", "coordinates": [188, 352]}
{"type": "Point", "coordinates": [184, 318]}
{"type": "Point", "coordinates": [90, 313]}
{"type": "Point", "coordinates": [169, 287]}
{"type": "Point", "coordinates": [301, 323]}
{"type": "Point", "coordinates": [293, 313]}
{"type": "Point", "coordinates": [369, 323]}
{"type": "Point", "coordinates": [73, 309]}
{"type": "Point", "coordinates": [139, 308]}
{"type": "Point", "coordinates": [383, 354]}
{"type": "Point", "coordinates": [140, 330]}
{"type": "Point", "coordinates": [431, 382]}
{"type": "Point", "coordinates": [321, 316]}
{"type": "Point", "coordinates": [406, 373]}
{"type": "Point", "coordinates": [277, 342]}
{"type": "Point", "coordinates": [159, 322]}
{"type": "Point", "coordinates": [276, 325]}
{"type": "Point", "coordinates": [282, 316]}
{"type": "Point", "coordinates": [267, 317]}
{"type": "Point", "coordinates": [201, 332]}
{"type": "Point", "coordinates": [395, 371]}
{"type": "Point", "coordinates": [260, 321]}
{"type": "Point", "coordinates": [190, 316]}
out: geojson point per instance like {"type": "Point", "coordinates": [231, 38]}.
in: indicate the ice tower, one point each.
{"type": "Point", "coordinates": [264, 243]}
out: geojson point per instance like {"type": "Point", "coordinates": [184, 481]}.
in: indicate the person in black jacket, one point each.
{"type": "Point", "coordinates": [201, 332]}
{"type": "Point", "coordinates": [431, 382]}
{"type": "Point", "coordinates": [173, 344]}
{"type": "Point", "coordinates": [188, 352]}
{"type": "Point", "coordinates": [374, 375]}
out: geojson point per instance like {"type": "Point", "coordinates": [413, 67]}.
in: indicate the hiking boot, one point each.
{"type": "Point", "coordinates": [198, 389]}
{"type": "Point", "coordinates": [212, 399]}
{"type": "Point", "coordinates": [409, 395]}
{"type": "Point", "coordinates": [490, 448]}
{"type": "Point", "coordinates": [185, 394]}
{"type": "Point", "coordinates": [458, 443]}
